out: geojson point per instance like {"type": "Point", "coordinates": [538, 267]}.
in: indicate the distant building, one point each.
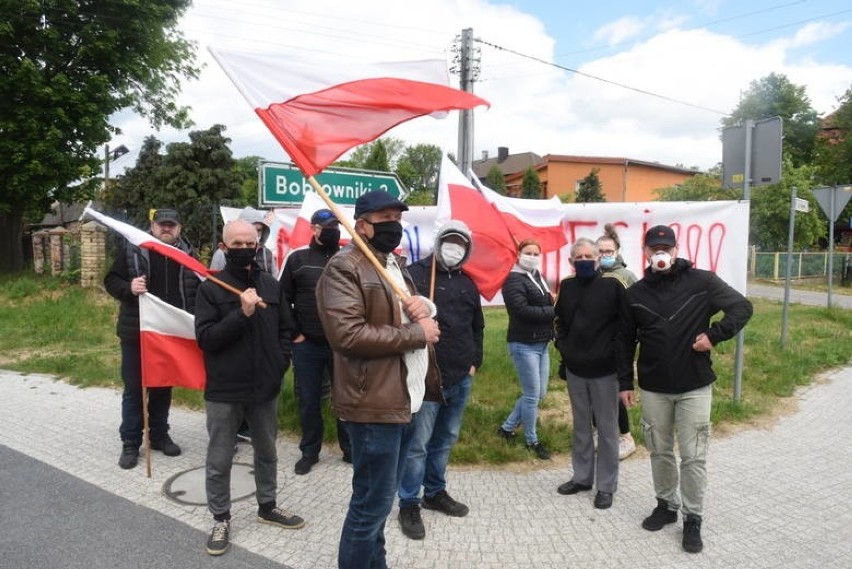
{"type": "Point", "coordinates": [622, 179]}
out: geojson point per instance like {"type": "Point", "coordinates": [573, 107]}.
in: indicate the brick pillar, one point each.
{"type": "Point", "coordinates": [41, 251]}
{"type": "Point", "coordinates": [92, 253]}
{"type": "Point", "coordinates": [59, 251]}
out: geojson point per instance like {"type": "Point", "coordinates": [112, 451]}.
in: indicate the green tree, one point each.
{"type": "Point", "coordinates": [834, 150]}
{"type": "Point", "coordinates": [531, 185]}
{"type": "Point", "coordinates": [378, 158]}
{"type": "Point", "coordinates": [774, 95]}
{"type": "Point", "coordinates": [193, 177]}
{"type": "Point", "coordinates": [65, 67]}
{"type": "Point", "coordinates": [590, 189]}
{"type": "Point", "coordinates": [245, 170]}
{"type": "Point", "coordinates": [698, 188]}
{"type": "Point", "coordinates": [393, 148]}
{"type": "Point", "coordinates": [421, 163]}
{"type": "Point", "coordinates": [496, 180]}
{"type": "Point", "coordinates": [770, 211]}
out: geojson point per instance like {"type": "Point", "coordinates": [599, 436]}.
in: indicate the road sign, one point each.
{"type": "Point", "coordinates": [840, 195]}
{"type": "Point", "coordinates": [284, 185]}
{"type": "Point", "coordinates": [765, 153]}
{"type": "Point", "coordinates": [802, 205]}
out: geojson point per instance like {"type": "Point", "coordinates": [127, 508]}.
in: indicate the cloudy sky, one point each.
{"type": "Point", "coordinates": [647, 80]}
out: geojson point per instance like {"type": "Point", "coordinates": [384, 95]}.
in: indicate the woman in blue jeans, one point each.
{"type": "Point", "coordinates": [530, 306]}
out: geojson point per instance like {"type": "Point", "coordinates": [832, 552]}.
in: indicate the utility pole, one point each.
{"type": "Point", "coordinates": [466, 65]}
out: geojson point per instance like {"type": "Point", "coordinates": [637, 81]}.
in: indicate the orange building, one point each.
{"type": "Point", "coordinates": [622, 179]}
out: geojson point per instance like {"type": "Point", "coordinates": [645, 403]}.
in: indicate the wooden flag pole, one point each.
{"type": "Point", "coordinates": [400, 292]}
{"type": "Point", "coordinates": [432, 278]}
{"type": "Point", "coordinates": [230, 288]}
{"type": "Point", "coordinates": [146, 439]}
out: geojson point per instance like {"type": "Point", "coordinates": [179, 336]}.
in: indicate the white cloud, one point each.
{"type": "Point", "coordinates": [619, 31]}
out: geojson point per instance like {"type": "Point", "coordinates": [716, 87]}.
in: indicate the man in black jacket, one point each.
{"type": "Point", "coordinates": [435, 427]}
{"type": "Point", "coordinates": [669, 314]}
{"type": "Point", "coordinates": [136, 271]}
{"type": "Point", "coordinates": [246, 351]}
{"type": "Point", "coordinates": [312, 356]}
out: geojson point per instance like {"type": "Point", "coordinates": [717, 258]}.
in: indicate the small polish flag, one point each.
{"type": "Point", "coordinates": [170, 352]}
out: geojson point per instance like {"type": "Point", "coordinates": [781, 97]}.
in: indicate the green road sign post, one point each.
{"type": "Point", "coordinates": [283, 185]}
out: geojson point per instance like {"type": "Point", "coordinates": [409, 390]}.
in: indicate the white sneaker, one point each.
{"type": "Point", "coordinates": [626, 446]}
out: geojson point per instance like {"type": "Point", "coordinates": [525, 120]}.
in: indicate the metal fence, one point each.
{"type": "Point", "coordinates": [773, 266]}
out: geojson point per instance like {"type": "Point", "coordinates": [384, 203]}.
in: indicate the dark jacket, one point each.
{"type": "Point", "coordinates": [299, 285]}
{"type": "Point", "coordinates": [530, 308]}
{"type": "Point", "coordinates": [165, 279]}
{"type": "Point", "coordinates": [362, 319]}
{"type": "Point", "coordinates": [460, 318]}
{"type": "Point", "coordinates": [666, 311]}
{"type": "Point", "coordinates": [588, 316]}
{"type": "Point", "coordinates": [245, 357]}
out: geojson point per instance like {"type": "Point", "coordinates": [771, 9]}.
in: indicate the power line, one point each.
{"type": "Point", "coordinates": [601, 79]}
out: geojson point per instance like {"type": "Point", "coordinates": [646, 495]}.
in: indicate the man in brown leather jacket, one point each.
{"type": "Point", "coordinates": [384, 367]}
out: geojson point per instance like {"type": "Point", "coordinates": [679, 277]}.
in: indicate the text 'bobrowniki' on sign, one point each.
{"type": "Point", "coordinates": [283, 185]}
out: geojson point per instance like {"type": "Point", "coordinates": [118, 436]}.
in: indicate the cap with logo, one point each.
{"type": "Point", "coordinates": [323, 217]}
{"type": "Point", "coordinates": [660, 235]}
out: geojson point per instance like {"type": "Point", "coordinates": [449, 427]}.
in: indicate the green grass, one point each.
{"type": "Point", "coordinates": [48, 326]}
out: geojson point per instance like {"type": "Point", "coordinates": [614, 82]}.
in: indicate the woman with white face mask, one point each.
{"type": "Point", "coordinates": [530, 306]}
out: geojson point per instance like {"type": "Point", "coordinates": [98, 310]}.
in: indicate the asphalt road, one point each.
{"type": "Point", "coordinates": [51, 519]}
{"type": "Point", "coordinates": [841, 297]}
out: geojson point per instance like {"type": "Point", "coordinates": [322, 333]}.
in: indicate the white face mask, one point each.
{"type": "Point", "coordinates": [529, 262]}
{"type": "Point", "coordinates": [661, 261]}
{"type": "Point", "coordinates": [452, 254]}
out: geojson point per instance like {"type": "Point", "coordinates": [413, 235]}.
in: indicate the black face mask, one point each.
{"type": "Point", "coordinates": [330, 237]}
{"type": "Point", "coordinates": [241, 257]}
{"type": "Point", "coordinates": [386, 235]}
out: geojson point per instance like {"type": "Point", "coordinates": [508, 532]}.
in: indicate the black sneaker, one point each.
{"type": "Point", "coordinates": [129, 455]}
{"type": "Point", "coordinates": [219, 540]}
{"type": "Point", "coordinates": [444, 503]}
{"type": "Point", "coordinates": [411, 523]}
{"type": "Point", "coordinates": [660, 517]}
{"type": "Point", "coordinates": [304, 464]}
{"type": "Point", "coordinates": [539, 450]}
{"type": "Point", "coordinates": [692, 534]}
{"type": "Point", "coordinates": [281, 518]}
{"type": "Point", "coordinates": [506, 435]}
{"type": "Point", "coordinates": [165, 444]}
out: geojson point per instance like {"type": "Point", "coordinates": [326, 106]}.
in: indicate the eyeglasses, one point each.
{"type": "Point", "coordinates": [607, 252]}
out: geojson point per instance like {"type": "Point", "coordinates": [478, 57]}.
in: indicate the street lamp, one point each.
{"type": "Point", "coordinates": [112, 155]}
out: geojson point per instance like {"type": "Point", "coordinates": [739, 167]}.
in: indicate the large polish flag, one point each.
{"type": "Point", "coordinates": [317, 110]}
{"type": "Point", "coordinates": [170, 354]}
{"type": "Point", "coordinates": [147, 241]}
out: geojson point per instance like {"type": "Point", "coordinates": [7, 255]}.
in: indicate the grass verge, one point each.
{"type": "Point", "coordinates": [48, 326]}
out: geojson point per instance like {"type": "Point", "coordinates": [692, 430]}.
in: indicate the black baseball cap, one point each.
{"type": "Point", "coordinates": [377, 200]}
{"type": "Point", "coordinates": [164, 216]}
{"type": "Point", "coordinates": [323, 217]}
{"type": "Point", "coordinates": [660, 235]}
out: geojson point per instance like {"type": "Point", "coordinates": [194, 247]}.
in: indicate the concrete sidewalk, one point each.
{"type": "Point", "coordinates": [778, 497]}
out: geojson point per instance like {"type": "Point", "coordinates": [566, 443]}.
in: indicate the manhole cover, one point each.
{"type": "Point", "coordinates": [187, 487]}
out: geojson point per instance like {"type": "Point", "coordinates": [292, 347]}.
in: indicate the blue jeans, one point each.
{"type": "Point", "coordinates": [377, 449]}
{"type": "Point", "coordinates": [311, 361]}
{"type": "Point", "coordinates": [159, 399]}
{"type": "Point", "coordinates": [532, 362]}
{"type": "Point", "coordinates": [434, 430]}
